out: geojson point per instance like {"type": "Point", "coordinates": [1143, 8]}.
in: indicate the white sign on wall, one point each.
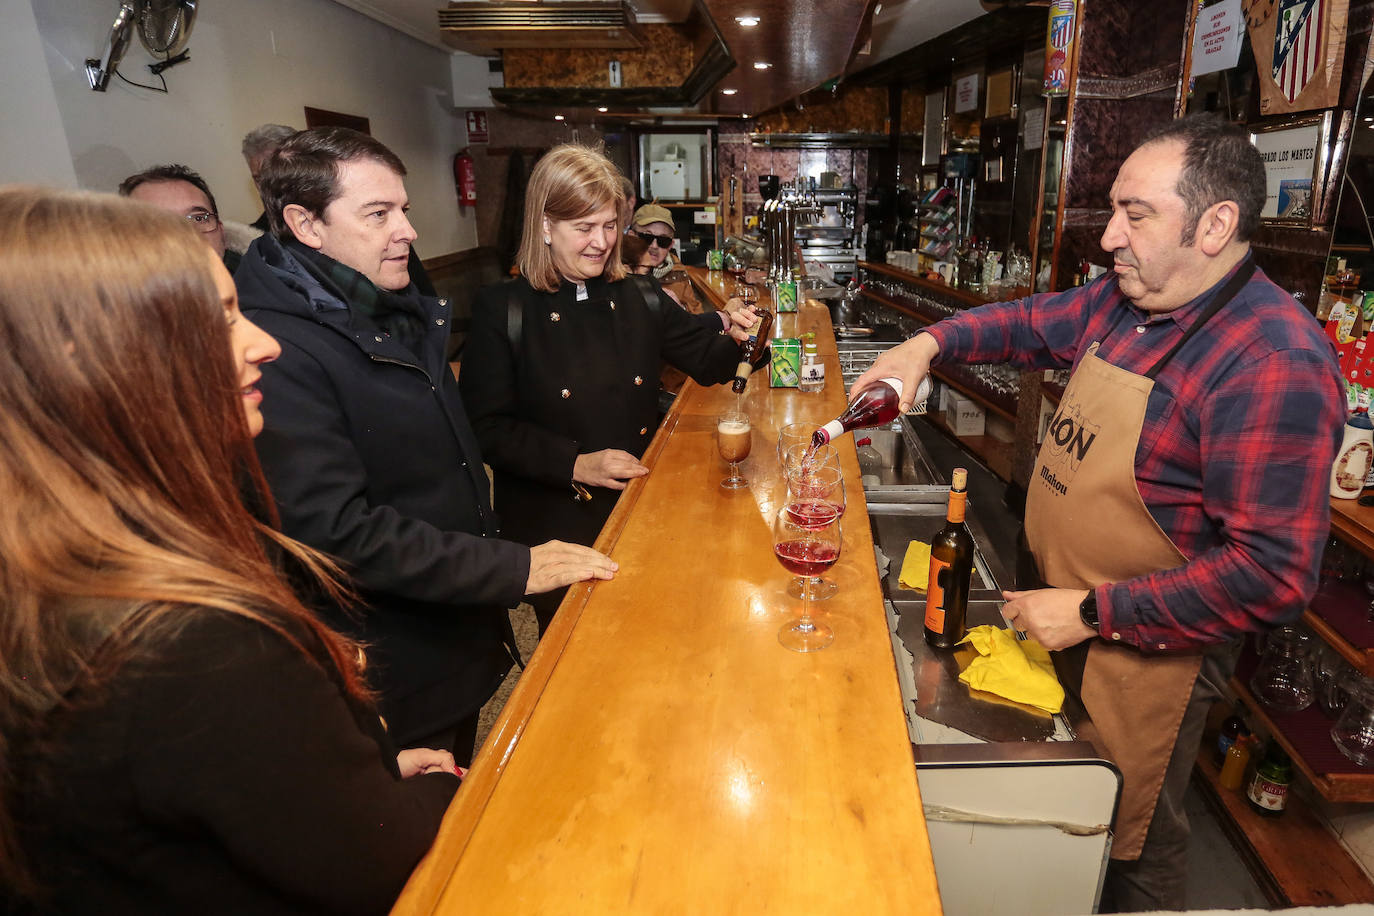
{"type": "Point", "coordinates": [1291, 157]}
{"type": "Point", "coordinates": [966, 93]}
{"type": "Point", "coordinates": [1216, 37]}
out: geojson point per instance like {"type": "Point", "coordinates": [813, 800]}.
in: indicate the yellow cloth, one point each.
{"type": "Point", "coordinates": [916, 567]}
{"type": "Point", "coordinates": [1016, 669]}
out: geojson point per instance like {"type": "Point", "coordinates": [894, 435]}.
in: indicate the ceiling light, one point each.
{"type": "Point", "coordinates": [558, 117]}
{"type": "Point", "coordinates": [876, 10]}
{"type": "Point", "coordinates": [733, 91]}
{"type": "Point", "coordinates": [603, 109]}
{"type": "Point", "coordinates": [761, 65]}
{"type": "Point", "coordinates": [747, 21]}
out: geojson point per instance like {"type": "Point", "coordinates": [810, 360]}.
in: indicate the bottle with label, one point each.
{"type": "Point", "coordinates": [1268, 792]}
{"type": "Point", "coordinates": [1233, 767]}
{"type": "Point", "coordinates": [1355, 458]}
{"type": "Point", "coordinates": [752, 349]}
{"type": "Point", "coordinates": [812, 366]}
{"type": "Point", "coordinates": [876, 405]}
{"type": "Point", "coordinates": [1232, 728]}
{"type": "Point", "coordinates": [951, 569]}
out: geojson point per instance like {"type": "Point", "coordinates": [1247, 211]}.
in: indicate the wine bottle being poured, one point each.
{"type": "Point", "coordinates": [876, 405]}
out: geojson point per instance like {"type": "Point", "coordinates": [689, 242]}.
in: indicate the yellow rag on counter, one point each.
{"type": "Point", "coordinates": [1019, 670]}
{"type": "Point", "coordinates": [916, 567]}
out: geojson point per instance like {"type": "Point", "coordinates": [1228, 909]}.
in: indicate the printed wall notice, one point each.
{"type": "Point", "coordinates": [1216, 38]}
{"type": "Point", "coordinates": [966, 93]}
{"type": "Point", "coordinates": [1290, 163]}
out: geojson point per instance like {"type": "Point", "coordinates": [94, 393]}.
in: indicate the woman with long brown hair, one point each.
{"type": "Point", "coordinates": [178, 733]}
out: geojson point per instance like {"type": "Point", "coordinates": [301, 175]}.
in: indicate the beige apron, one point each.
{"type": "Point", "coordinates": [1086, 525]}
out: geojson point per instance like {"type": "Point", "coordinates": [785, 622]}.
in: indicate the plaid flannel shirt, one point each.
{"type": "Point", "coordinates": [1235, 454]}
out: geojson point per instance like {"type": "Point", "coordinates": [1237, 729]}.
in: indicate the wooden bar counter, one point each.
{"type": "Point", "coordinates": [662, 752]}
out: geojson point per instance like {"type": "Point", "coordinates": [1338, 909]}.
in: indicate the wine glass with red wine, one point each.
{"type": "Point", "coordinates": [815, 493]}
{"type": "Point", "coordinates": [806, 545]}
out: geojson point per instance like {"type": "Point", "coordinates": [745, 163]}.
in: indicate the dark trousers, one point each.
{"type": "Point", "coordinates": [1157, 880]}
{"type": "Point", "coordinates": [460, 739]}
{"type": "Point", "coordinates": [545, 606]}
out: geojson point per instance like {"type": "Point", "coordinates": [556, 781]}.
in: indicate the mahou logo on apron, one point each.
{"type": "Point", "coordinates": [1067, 442]}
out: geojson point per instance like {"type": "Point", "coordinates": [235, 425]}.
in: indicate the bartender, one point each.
{"type": "Point", "coordinates": [1179, 500]}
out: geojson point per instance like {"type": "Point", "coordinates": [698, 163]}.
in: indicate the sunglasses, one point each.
{"type": "Point", "coordinates": [662, 241]}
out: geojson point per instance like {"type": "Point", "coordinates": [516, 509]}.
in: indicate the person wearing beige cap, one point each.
{"type": "Point", "coordinates": [654, 224]}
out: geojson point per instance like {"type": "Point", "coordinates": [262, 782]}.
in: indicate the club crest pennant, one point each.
{"type": "Point", "coordinates": [1298, 47]}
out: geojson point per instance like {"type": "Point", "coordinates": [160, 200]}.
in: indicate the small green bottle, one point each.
{"type": "Point", "coordinates": [1268, 792]}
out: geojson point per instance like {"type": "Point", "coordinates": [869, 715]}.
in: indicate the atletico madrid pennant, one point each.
{"type": "Point", "coordinates": [1298, 47]}
{"type": "Point", "coordinates": [1297, 43]}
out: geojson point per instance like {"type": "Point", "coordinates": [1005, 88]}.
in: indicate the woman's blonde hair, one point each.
{"type": "Point", "coordinates": [125, 459]}
{"type": "Point", "coordinates": [571, 181]}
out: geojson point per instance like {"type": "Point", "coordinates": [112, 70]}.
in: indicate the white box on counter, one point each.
{"type": "Point", "coordinates": [963, 417]}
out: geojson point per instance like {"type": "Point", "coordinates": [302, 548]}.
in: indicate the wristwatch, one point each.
{"type": "Point", "coordinates": [1087, 610]}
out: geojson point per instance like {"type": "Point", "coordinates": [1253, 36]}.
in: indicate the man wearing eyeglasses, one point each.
{"type": "Point", "coordinates": [654, 224]}
{"type": "Point", "coordinates": [183, 192]}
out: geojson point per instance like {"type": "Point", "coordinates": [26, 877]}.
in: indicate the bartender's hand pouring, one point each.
{"type": "Point", "coordinates": [909, 361]}
{"type": "Point", "coordinates": [1048, 615]}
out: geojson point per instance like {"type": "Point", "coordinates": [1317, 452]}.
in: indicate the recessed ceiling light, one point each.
{"type": "Point", "coordinates": [733, 91]}
{"type": "Point", "coordinates": [747, 21]}
{"type": "Point", "coordinates": [761, 65]}
{"type": "Point", "coordinates": [558, 117]}
{"type": "Point", "coordinates": [603, 109]}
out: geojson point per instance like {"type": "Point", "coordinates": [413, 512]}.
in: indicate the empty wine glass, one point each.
{"type": "Point", "coordinates": [805, 549]}
{"type": "Point", "coordinates": [1283, 680]}
{"type": "Point", "coordinates": [793, 434]}
{"type": "Point", "coordinates": [1354, 730]}
{"type": "Point", "coordinates": [796, 459]}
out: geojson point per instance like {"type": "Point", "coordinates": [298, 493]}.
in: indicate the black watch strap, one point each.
{"type": "Point", "coordinates": [1087, 610]}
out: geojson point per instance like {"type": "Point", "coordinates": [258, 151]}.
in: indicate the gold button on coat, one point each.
{"type": "Point", "coordinates": [638, 380]}
{"type": "Point", "coordinates": [554, 316]}
{"type": "Point", "coordinates": [643, 430]}
{"type": "Point", "coordinates": [613, 305]}
{"type": "Point", "coordinates": [566, 394]}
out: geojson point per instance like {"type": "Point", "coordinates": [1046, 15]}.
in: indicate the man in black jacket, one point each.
{"type": "Point", "coordinates": [367, 448]}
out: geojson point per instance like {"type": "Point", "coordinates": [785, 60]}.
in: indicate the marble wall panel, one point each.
{"type": "Point", "coordinates": [665, 60]}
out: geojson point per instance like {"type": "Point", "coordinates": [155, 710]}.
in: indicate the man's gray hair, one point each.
{"type": "Point", "coordinates": [265, 138]}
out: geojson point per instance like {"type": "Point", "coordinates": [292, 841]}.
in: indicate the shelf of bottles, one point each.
{"type": "Point", "coordinates": [1341, 616]}
{"type": "Point", "coordinates": [996, 387]}
{"type": "Point", "coordinates": [937, 221]}
{"type": "Point", "coordinates": [1341, 613]}
{"type": "Point", "coordinates": [1306, 737]}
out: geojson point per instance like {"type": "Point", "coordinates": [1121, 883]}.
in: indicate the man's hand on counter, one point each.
{"type": "Point", "coordinates": [608, 468]}
{"type": "Point", "coordinates": [556, 563]}
{"type": "Point", "coordinates": [909, 361]}
{"type": "Point", "coordinates": [1048, 615]}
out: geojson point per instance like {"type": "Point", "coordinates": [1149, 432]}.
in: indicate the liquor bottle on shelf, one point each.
{"type": "Point", "coordinates": [1268, 792]}
{"type": "Point", "coordinates": [1233, 768]}
{"type": "Point", "coordinates": [752, 349]}
{"type": "Point", "coordinates": [1232, 728]}
{"type": "Point", "coordinates": [951, 569]}
{"type": "Point", "coordinates": [876, 405]}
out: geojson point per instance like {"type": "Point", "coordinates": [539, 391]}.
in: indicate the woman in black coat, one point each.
{"type": "Point", "coordinates": [560, 369]}
{"type": "Point", "coordinates": [178, 733]}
